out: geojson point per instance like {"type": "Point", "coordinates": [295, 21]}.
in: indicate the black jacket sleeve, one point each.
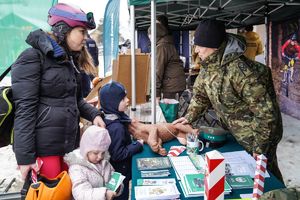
{"type": "Point", "coordinates": [25, 74]}
{"type": "Point", "coordinates": [87, 111]}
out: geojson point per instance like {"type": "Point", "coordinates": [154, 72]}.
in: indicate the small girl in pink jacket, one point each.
{"type": "Point", "coordinates": [89, 166]}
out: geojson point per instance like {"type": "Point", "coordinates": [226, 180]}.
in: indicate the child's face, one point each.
{"type": "Point", "coordinates": [95, 156]}
{"type": "Point", "coordinates": [123, 106]}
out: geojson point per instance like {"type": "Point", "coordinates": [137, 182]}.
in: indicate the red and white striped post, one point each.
{"type": "Point", "coordinates": [214, 176]}
{"type": "Point", "coordinates": [259, 178]}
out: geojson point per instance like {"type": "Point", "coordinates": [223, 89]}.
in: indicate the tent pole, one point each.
{"type": "Point", "coordinates": [267, 40]}
{"type": "Point", "coordinates": [133, 83]}
{"type": "Point", "coordinates": [153, 61]}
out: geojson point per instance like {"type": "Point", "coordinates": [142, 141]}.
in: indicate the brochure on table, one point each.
{"type": "Point", "coordinates": [239, 163]}
{"type": "Point", "coordinates": [162, 181]}
{"type": "Point", "coordinates": [240, 182]}
{"type": "Point", "coordinates": [156, 192]}
{"type": "Point", "coordinates": [153, 163]}
{"type": "Point", "coordinates": [239, 168]}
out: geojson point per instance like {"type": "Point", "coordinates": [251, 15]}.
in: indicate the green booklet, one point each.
{"type": "Point", "coordinates": [115, 181]}
{"type": "Point", "coordinates": [240, 182]}
{"type": "Point", "coordinates": [194, 184]}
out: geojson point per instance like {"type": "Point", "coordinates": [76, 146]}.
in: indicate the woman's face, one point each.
{"type": "Point", "coordinates": [76, 38]}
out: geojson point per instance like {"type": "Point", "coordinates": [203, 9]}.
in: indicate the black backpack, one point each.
{"type": "Point", "coordinates": [6, 113]}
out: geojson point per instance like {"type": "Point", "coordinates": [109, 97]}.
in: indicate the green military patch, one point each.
{"type": "Point", "coordinates": [242, 67]}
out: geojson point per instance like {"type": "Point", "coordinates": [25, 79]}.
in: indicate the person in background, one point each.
{"type": "Point", "coordinates": [114, 103]}
{"type": "Point", "coordinates": [46, 87]}
{"type": "Point", "coordinates": [240, 91]}
{"type": "Point", "coordinates": [170, 76]}
{"type": "Point", "coordinates": [87, 78]}
{"type": "Point", "coordinates": [163, 20]}
{"type": "Point", "coordinates": [89, 166]}
{"type": "Point", "coordinates": [290, 52]}
{"type": "Point", "coordinates": [254, 44]}
{"type": "Point", "coordinates": [93, 50]}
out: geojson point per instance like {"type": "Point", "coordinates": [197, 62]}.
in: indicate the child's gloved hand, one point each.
{"type": "Point", "coordinates": [110, 194]}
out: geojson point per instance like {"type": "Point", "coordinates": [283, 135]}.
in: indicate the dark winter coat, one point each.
{"type": "Point", "coordinates": [170, 77]}
{"type": "Point", "coordinates": [121, 150]}
{"type": "Point", "coordinates": [48, 101]}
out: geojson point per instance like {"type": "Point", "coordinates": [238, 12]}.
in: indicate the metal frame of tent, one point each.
{"type": "Point", "coordinates": [185, 15]}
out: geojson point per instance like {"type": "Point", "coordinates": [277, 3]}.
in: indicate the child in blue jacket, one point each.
{"type": "Point", "coordinates": [114, 103]}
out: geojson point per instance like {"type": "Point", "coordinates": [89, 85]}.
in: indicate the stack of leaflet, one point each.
{"type": "Point", "coordinates": [156, 192]}
{"type": "Point", "coordinates": [182, 165]}
{"type": "Point", "coordinates": [240, 163]}
{"type": "Point", "coordinates": [193, 185]}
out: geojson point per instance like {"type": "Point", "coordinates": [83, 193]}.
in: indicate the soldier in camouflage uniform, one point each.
{"type": "Point", "coordinates": [240, 91]}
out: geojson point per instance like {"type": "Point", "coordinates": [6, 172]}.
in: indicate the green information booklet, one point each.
{"type": "Point", "coordinates": [115, 181]}
{"type": "Point", "coordinates": [240, 182]}
{"type": "Point", "coordinates": [194, 185]}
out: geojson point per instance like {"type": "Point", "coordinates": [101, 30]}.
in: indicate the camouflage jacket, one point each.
{"type": "Point", "coordinates": [242, 94]}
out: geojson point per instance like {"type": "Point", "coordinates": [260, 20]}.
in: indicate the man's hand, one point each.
{"type": "Point", "coordinates": [24, 169]}
{"type": "Point", "coordinates": [255, 155]}
{"type": "Point", "coordinates": [99, 122]}
{"type": "Point", "coordinates": [181, 120]}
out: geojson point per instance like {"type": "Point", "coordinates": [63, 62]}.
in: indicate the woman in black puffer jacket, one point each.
{"type": "Point", "coordinates": [47, 94]}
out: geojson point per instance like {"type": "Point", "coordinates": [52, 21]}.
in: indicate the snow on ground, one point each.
{"type": "Point", "coordinates": [288, 152]}
{"type": "Point", "coordinates": [6, 81]}
{"type": "Point", "coordinates": [8, 170]}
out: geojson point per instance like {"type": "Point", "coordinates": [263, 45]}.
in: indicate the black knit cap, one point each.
{"type": "Point", "coordinates": [210, 33]}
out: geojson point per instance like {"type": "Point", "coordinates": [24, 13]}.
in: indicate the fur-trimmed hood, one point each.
{"type": "Point", "coordinates": [75, 158]}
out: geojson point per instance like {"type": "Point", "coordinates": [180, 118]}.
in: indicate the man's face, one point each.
{"type": "Point", "coordinates": [204, 52]}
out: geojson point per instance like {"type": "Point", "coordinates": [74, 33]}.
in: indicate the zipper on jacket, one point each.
{"type": "Point", "coordinates": [73, 64]}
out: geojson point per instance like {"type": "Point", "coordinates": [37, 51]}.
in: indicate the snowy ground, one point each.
{"type": "Point", "coordinates": [289, 150]}
{"type": "Point", "coordinates": [288, 157]}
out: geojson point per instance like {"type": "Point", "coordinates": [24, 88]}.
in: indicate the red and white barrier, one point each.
{"type": "Point", "coordinates": [214, 176]}
{"type": "Point", "coordinates": [259, 178]}
{"type": "Point", "coordinates": [176, 150]}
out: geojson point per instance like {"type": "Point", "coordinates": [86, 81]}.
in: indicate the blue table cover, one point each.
{"type": "Point", "coordinates": [271, 183]}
